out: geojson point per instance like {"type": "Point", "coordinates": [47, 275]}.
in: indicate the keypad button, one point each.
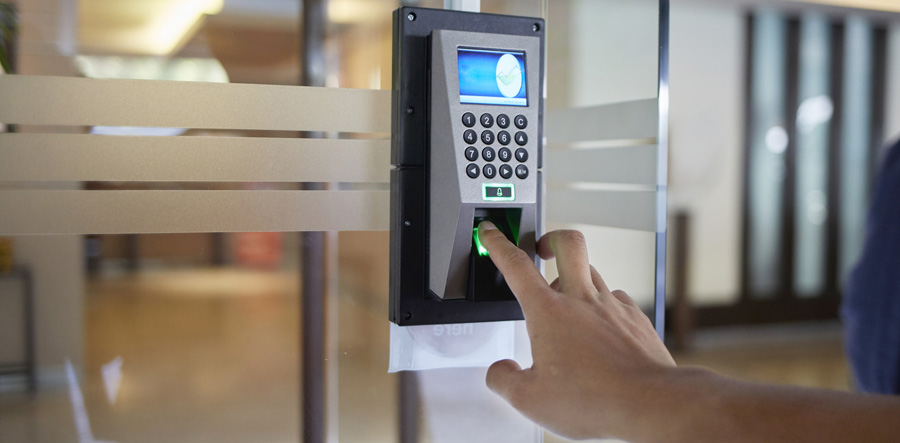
{"type": "Point", "coordinates": [471, 153]}
{"type": "Point", "coordinates": [487, 120]}
{"type": "Point", "coordinates": [468, 119]}
{"type": "Point", "coordinates": [503, 137]}
{"type": "Point", "coordinates": [506, 171]}
{"type": "Point", "coordinates": [487, 137]}
{"type": "Point", "coordinates": [520, 121]}
{"type": "Point", "coordinates": [472, 170]}
{"type": "Point", "coordinates": [470, 136]}
{"type": "Point", "coordinates": [522, 171]}
{"type": "Point", "coordinates": [505, 154]}
{"type": "Point", "coordinates": [521, 138]}
{"type": "Point", "coordinates": [489, 171]}
{"type": "Point", "coordinates": [503, 121]}
{"type": "Point", "coordinates": [488, 154]}
{"type": "Point", "coordinates": [521, 155]}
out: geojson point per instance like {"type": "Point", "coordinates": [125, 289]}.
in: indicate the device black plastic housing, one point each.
{"type": "Point", "coordinates": [411, 303]}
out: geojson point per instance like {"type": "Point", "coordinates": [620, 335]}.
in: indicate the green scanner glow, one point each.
{"type": "Point", "coordinates": [482, 251]}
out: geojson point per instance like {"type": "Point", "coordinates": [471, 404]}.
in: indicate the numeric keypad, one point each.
{"type": "Point", "coordinates": [488, 154]}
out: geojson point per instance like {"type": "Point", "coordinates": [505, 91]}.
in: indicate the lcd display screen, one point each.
{"type": "Point", "coordinates": [490, 77]}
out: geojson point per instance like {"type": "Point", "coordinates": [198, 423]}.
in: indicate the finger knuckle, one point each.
{"type": "Point", "coordinates": [623, 297]}
{"type": "Point", "coordinates": [572, 236]}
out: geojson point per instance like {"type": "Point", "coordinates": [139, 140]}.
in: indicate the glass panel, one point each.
{"type": "Point", "coordinates": [603, 112]}
{"type": "Point", "coordinates": [813, 126]}
{"type": "Point", "coordinates": [196, 336]}
{"type": "Point", "coordinates": [602, 63]}
{"type": "Point", "coordinates": [176, 337]}
{"type": "Point", "coordinates": [768, 142]}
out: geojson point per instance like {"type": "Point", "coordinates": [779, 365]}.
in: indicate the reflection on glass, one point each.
{"type": "Point", "coordinates": [768, 141]}
{"type": "Point", "coordinates": [855, 138]}
{"type": "Point", "coordinates": [813, 125]}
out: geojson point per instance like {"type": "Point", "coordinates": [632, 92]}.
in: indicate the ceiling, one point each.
{"type": "Point", "coordinates": [163, 27]}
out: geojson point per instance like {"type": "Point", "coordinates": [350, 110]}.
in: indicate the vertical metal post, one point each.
{"type": "Point", "coordinates": [659, 299]}
{"type": "Point", "coordinates": [132, 252]}
{"type": "Point", "coordinates": [682, 312]}
{"type": "Point", "coordinates": [313, 250]}
{"type": "Point", "coordinates": [409, 407]}
{"type": "Point", "coordinates": [30, 354]}
{"type": "Point", "coordinates": [217, 249]}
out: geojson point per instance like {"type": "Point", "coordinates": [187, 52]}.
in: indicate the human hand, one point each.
{"type": "Point", "coordinates": [597, 357]}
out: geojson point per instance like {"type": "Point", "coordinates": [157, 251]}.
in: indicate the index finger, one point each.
{"type": "Point", "coordinates": [517, 267]}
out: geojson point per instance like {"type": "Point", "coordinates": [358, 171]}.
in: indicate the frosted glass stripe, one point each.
{"type": "Point", "coordinates": [79, 157]}
{"type": "Point", "coordinates": [139, 212]}
{"type": "Point", "coordinates": [613, 121]}
{"type": "Point", "coordinates": [629, 165]}
{"type": "Point", "coordinates": [618, 209]}
{"type": "Point", "coordinates": [70, 101]}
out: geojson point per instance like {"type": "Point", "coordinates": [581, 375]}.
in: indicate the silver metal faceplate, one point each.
{"type": "Point", "coordinates": [453, 196]}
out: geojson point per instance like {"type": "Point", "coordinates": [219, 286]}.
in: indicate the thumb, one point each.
{"type": "Point", "coordinates": [506, 377]}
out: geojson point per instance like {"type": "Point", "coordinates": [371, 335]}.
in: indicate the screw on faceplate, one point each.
{"type": "Point", "coordinates": [536, 27]}
{"type": "Point", "coordinates": [407, 223]}
{"type": "Point", "coordinates": [411, 16]}
{"type": "Point", "coordinates": [407, 315]}
{"type": "Point", "coordinates": [409, 110]}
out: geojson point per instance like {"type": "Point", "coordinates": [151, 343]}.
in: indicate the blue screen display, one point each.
{"type": "Point", "coordinates": [490, 77]}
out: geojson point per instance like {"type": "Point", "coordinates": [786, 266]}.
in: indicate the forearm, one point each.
{"type": "Point", "coordinates": [696, 405]}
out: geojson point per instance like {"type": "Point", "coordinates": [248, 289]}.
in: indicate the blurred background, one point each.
{"type": "Point", "coordinates": [779, 115]}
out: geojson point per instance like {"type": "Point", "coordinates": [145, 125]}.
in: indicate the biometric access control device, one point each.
{"type": "Point", "coordinates": [466, 147]}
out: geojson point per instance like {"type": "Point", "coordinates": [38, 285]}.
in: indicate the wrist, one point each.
{"type": "Point", "coordinates": [672, 405]}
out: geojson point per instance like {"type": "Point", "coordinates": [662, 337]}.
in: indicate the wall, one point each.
{"type": "Point", "coordinates": [707, 43]}
{"type": "Point", "coordinates": [613, 52]}
{"type": "Point", "coordinates": [46, 42]}
{"type": "Point", "coordinates": [56, 263]}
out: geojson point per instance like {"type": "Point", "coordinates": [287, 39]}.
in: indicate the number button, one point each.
{"type": "Point", "coordinates": [472, 170]}
{"type": "Point", "coordinates": [487, 120]}
{"type": "Point", "coordinates": [471, 153]}
{"type": "Point", "coordinates": [521, 155]}
{"type": "Point", "coordinates": [487, 137]}
{"type": "Point", "coordinates": [504, 154]}
{"type": "Point", "coordinates": [487, 154]}
{"type": "Point", "coordinates": [503, 137]}
{"type": "Point", "coordinates": [490, 171]}
{"type": "Point", "coordinates": [503, 121]}
{"type": "Point", "coordinates": [521, 122]}
{"type": "Point", "coordinates": [506, 171]}
{"type": "Point", "coordinates": [468, 119]}
{"type": "Point", "coordinates": [522, 171]}
{"type": "Point", "coordinates": [470, 136]}
{"type": "Point", "coordinates": [521, 138]}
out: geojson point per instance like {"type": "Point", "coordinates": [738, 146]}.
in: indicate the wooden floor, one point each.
{"type": "Point", "coordinates": [211, 355]}
{"type": "Point", "coordinates": [810, 354]}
